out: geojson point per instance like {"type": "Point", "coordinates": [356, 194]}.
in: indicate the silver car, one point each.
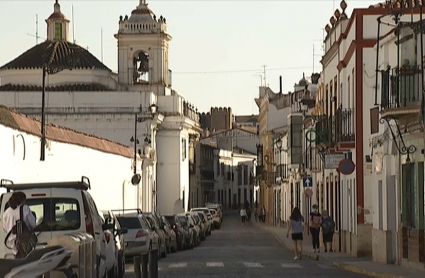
{"type": "Point", "coordinates": [139, 238]}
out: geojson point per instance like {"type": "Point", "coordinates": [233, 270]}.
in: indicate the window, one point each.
{"type": "Point", "coordinates": [129, 222]}
{"type": "Point", "coordinates": [55, 214]}
{"type": "Point", "coordinates": [58, 31]}
{"type": "Point", "coordinates": [246, 174]}
{"type": "Point", "coordinates": [374, 120]}
{"type": "Point", "coordinates": [239, 174]}
{"type": "Point", "coordinates": [184, 154]}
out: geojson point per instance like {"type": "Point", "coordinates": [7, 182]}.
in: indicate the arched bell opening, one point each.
{"type": "Point", "coordinates": [141, 68]}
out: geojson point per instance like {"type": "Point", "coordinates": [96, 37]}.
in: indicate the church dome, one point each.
{"type": "Point", "coordinates": [142, 13]}
{"type": "Point", "coordinates": [303, 81]}
{"type": "Point", "coordinates": [62, 54]}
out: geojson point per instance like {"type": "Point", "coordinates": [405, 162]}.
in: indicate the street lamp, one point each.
{"type": "Point", "coordinates": [135, 180]}
{"type": "Point", "coordinates": [48, 69]}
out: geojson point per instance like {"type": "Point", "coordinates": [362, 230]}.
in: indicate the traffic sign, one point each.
{"type": "Point", "coordinates": [346, 166]}
{"type": "Point", "coordinates": [308, 192]}
{"type": "Point", "coordinates": [308, 182]}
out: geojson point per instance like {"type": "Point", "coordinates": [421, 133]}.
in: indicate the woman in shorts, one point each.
{"type": "Point", "coordinates": [296, 227]}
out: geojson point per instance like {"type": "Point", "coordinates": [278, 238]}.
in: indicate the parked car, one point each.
{"type": "Point", "coordinates": [216, 219]}
{"type": "Point", "coordinates": [179, 230]}
{"type": "Point", "coordinates": [117, 236]}
{"type": "Point", "coordinates": [189, 232]}
{"type": "Point", "coordinates": [60, 208]}
{"type": "Point", "coordinates": [196, 229]}
{"type": "Point", "coordinates": [201, 226]}
{"type": "Point", "coordinates": [140, 238]}
{"type": "Point", "coordinates": [205, 222]}
{"type": "Point", "coordinates": [208, 217]}
{"type": "Point", "coordinates": [155, 226]}
{"type": "Point", "coordinates": [166, 230]}
{"type": "Point", "coordinates": [173, 236]}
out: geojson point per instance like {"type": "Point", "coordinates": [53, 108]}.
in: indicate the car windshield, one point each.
{"type": "Point", "coordinates": [171, 219]}
{"type": "Point", "coordinates": [183, 220]}
{"type": "Point", "coordinates": [55, 214]}
{"type": "Point", "coordinates": [129, 222]}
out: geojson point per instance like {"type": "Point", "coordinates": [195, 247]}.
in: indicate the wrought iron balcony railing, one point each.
{"type": "Point", "coordinates": [269, 177]}
{"type": "Point", "coordinates": [282, 171]}
{"type": "Point", "coordinates": [344, 125]}
{"type": "Point", "coordinates": [207, 175]}
{"type": "Point", "coordinates": [400, 87]}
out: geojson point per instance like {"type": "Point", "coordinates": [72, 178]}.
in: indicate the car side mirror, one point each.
{"type": "Point", "coordinates": [123, 231]}
{"type": "Point", "coordinates": [191, 226]}
{"type": "Point", "coordinates": [107, 227]}
{"type": "Point", "coordinates": [153, 228]}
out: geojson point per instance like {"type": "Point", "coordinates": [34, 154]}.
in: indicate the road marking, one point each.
{"type": "Point", "coordinates": [252, 264]}
{"type": "Point", "coordinates": [215, 264]}
{"type": "Point", "coordinates": [178, 265]}
{"type": "Point", "coordinates": [290, 265]}
{"type": "Point", "coordinates": [325, 266]}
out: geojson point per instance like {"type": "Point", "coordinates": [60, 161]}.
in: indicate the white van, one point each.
{"type": "Point", "coordinates": [59, 208]}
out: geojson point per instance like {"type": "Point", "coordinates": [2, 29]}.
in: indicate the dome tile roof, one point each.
{"type": "Point", "coordinates": [61, 54]}
{"type": "Point", "coordinates": [57, 88]}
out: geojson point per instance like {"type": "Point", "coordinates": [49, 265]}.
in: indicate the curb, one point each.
{"type": "Point", "coordinates": [338, 265]}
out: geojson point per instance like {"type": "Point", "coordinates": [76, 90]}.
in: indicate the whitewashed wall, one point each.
{"type": "Point", "coordinates": [109, 174]}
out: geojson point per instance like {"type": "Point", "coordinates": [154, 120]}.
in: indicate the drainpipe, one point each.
{"type": "Point", "coordinates": [377, 59]}
{"type": "Point", "coordinates": [340, 212]}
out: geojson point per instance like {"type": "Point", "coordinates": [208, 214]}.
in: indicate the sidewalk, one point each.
{"type": "Point", "coordinates": [350, 263]}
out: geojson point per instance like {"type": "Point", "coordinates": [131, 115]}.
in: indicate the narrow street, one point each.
{"type": "Point", "coordinates": [241, 251]}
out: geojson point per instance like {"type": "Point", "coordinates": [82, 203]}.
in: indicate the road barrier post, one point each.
{"type": "Point", "coordinates": [145, 261]}
{"type": "Point", "coordinates": [137, 271]}
{"type": "Point", "coordinates": [153, 263]}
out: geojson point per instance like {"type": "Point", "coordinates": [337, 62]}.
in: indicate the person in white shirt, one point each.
{"type": "Point", "coordinates": [12, 215]}
{"type": "Point", "coordinates": [243, 215]}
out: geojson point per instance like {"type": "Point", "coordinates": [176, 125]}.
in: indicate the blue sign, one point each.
{"type": "Point", "coordinates": [308, 182]}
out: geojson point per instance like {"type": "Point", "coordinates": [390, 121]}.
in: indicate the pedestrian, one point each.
{"type": "Point", "coordinates": [315, 224]}
{"type": "Point", "coordinates": [328, 229]}
{"type": "Point", "coordinates": [256, 213]}
{"type": "Point", "coordinates": [249, 212]}
{"type": "Point", "coordinates": [296, 227]}
{"type": "Point", "coordinates": [11, 216]}
{"type": "Point", "coordinates": [263, 214]}
{"type": "Point", "coordinates": [243, 215]}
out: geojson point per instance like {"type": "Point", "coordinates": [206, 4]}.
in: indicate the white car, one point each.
{"type": "Point", "coordinates": [60, 208]}
{"type": "Point", "coordinates": [208, 216]}
{"type": "Point", "coordinates": [216, 219]}
{"type": "Point", "coordinates": [140, 238]}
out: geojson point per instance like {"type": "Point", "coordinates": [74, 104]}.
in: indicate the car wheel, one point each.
{"type": "Point", "coordinates": [121, 265]}
{"type": "Point", "coordinates": [168, 249]}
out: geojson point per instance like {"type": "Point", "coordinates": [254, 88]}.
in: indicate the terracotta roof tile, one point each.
{"type": "Point", "coordinates": [16, 120]}
{"type": "Point", "coordinates": [56, 88]}
{"type": "Point", "coordinates": [61, 54]}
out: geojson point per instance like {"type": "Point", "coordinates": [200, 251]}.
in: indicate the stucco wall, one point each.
{"type": "Point", "coordinates": [109, 174]}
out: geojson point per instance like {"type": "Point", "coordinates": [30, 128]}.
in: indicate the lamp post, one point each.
{"type": "Point", "coordinates": [135, 180]}
{"type": "Point", "coordinates": [47, 69]}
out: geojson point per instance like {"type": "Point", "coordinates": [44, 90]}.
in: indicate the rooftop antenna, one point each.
{"type": "Point", "coordinates": [73, 25]}
{"type": "Point", "coordinates": [264, 72]}
{"type": "Point", "coordinates": [36, 29]}
{"type": "Point", "coordinates": [101, 44]}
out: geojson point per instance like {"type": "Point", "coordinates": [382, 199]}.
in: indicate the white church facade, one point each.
{"type": "Point", "coordinates": [83, 94]}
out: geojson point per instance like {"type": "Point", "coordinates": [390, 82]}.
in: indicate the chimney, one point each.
{"type": "Point", "coordinates": [280, 84]}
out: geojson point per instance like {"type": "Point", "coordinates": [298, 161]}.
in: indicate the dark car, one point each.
{"type": "Point", "coordinates": [189, 232]}
{"type": "Point", "coordinates": [179, 230]}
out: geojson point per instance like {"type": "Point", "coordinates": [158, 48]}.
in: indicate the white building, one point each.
{"type": "Point", "coordinates": [234, 165]}
{"type": "Point", "coordinates": [83, 94]}
{"type": "Point", "coordinates": [396, 158]}
{"type": "Point", "coordinates": [109, 167]}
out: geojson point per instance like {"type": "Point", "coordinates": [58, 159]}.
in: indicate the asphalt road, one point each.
{"type": "Point", "coordinates": [241, 251]}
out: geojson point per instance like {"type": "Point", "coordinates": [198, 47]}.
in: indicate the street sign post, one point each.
{"type": "Point", "coordinates": [307, 182]}
{"type": "Point", "coordinates": [308, 193]}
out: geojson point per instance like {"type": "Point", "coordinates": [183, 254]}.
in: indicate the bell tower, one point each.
{"type": "Point", "coordinates": [143, 44]}
{"type": "Point", "coordinates": [57, 25]}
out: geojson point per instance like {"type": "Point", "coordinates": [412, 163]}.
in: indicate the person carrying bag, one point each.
{"type": "Point", "coordinates": [19, 223]}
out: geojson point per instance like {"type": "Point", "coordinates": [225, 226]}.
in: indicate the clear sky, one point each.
{"type": "Point", "coordinates": [218, 49]}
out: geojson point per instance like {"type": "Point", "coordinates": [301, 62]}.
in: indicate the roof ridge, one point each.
{"type": "Point", "coordinates": [100, 145]}
{"type": "Point", "coordinates": [55, 47]}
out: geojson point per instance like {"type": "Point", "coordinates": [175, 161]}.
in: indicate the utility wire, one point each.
{"type": "Point", "coordinates": [237, 71]}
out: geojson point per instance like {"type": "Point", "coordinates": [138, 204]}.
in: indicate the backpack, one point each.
{"type": "Point", "coordinates": [328, 225]}
{"type": "Point", "coordinates": [26, 240]}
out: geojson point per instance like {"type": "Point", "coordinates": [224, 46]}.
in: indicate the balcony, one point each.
{"type": "Point", "coordinates": [282, 171]}
{"type": "Point", "coordinates": [322, 131]}
{"type": "Point", "coordinates": [207, 175]}
{"type": "Point", "coordinates": [400, 91]}
{"type": "Point", "coordinates": [344, 126]}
